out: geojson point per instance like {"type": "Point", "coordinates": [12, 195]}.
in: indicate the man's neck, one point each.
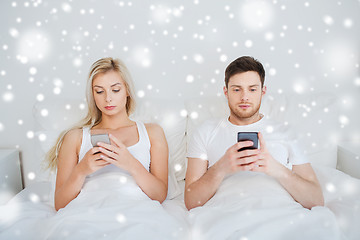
{"type": "Point", "coordinates": [244, 121]}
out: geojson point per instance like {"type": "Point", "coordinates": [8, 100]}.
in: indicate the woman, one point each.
{"type": "Point", "coordinates": [137, 149]}
{"type": "Point", "coordinates": [110, 191]}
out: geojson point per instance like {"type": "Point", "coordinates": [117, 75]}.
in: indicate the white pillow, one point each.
{"type": "Point", "coordinates": [52, 117]}
{"type": "Point", "coordinates": [170, 115]}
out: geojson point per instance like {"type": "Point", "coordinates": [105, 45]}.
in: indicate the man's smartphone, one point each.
{"type": "Point", "coordinates": [95, 138]}
{"type": "Point", "coordinates": [248, 136]}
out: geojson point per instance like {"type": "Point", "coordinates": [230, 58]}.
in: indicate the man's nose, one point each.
{"type": "Point", "coordinates": [244, 96]}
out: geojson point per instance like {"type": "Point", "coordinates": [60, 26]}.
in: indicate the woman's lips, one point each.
{"type": "Point", "coordinates": [110, 107]}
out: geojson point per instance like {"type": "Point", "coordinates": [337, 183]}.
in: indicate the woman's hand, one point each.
{"type": "Point", "coordinates": [91, 162]}
{"type": "Point", "coordinates": [117, 154]}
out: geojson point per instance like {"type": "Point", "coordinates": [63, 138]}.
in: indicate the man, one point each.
{"type": "Point", "coordinates": [213, 150]}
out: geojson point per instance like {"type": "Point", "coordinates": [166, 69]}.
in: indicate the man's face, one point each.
{"type": "Point", "coordinates": [244, 94]}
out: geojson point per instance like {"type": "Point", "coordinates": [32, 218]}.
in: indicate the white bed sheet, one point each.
{"type": "Point", "coordinates": [252, 205]}
{"type": "Point", "coordinates": [246, 206]}
{"type": "Point", "coordinates": [104, 209]}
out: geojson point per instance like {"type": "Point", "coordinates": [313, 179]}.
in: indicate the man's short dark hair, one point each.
{"type": "Point", "coordinates": [244, 64]}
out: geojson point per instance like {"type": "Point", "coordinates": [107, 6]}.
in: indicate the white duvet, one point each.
{"type": "Point", "coordinates": [247, 206]}
{"type": "Point", "coordinates": [108, 207]}
{"type": "Point", "coordinates": [250, 206]}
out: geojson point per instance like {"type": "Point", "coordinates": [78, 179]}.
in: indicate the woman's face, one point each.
{"type": "Point", "coordinates": [110, 93]}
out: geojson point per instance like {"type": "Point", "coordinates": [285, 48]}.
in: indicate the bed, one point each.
{"type": "Point", "coordinates": [247, 205]}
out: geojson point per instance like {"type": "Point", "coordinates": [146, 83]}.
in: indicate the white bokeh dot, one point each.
{"type": "Point", "coordinates": [40, 97]}
{"type": "Point", "coordinates": [1, 127]}
{"type": "Point", "coordinates": [14, 32]}
{"type": "Point", "coordinates": [269, 36]}
{"type": "Point", "coordinates": [183, 113]}
{"type": "Point", "coordinates": [272, 71]}
{"type": "Point", "coordinates": [348, 23]}
{"type": "Point", "coordinates": [31, 175]}
{"type": "Point", "coordinates": [223, 58]}
{"type": "Point", "coordinates": [194, 115]}
{"type": "Point", "coordinates": [256, 14]}
{"type": "Point", "coordinates": [77, 62]}
{"type": "Point", "coordinates": [328, 20]}
{"type": "Point", "coordinates": [57, 90]}
{"type": "Point", "coordinates": [299, 87]}
{"type": "Point", "coordinates": [330, 187]}
{"type": "Point", "coordinates": [190, 78]}
{"type": "Point", "coordinates": [269, 129]}
{"type": "Point", "coordinates": [123, 179]}
{"type": "Point", "coordinates": [34, 197]}
{"type": "Point", "coordinates": [357, 81]}
{"type": "Point", "coordinates": [42, 137]}
{"type": "Point", "coordinates": [198, 58]}
{"type": "Point", "coordinates": [177, 167]}
{"type": "Point", "coordinates": [344, 120]}
{"type": "Point", "coordinates": [30, 134]}
{"type": "Point", "coordinates": [140, 93]}
{"type": "Point", "coordinates": [8, 96]}
{"type": "Point", "coordinates": [66, 7]}
{"type": "Point", "coordinates": [44, 112]}
{"type": "Point", "coordinates": [248, 43]}
{"type": "Point", "coordinates": [121, 218]}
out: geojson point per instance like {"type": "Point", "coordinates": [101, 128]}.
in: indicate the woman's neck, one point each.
{"type": "Point", "coordinates": [115, 122]}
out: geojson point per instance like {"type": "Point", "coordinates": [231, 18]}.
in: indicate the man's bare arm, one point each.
{"type": "Point", "coordinates": [202, 183]}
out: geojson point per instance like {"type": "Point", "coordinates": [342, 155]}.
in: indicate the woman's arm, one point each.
{"type": "Point", "coordinates": [153, 183]}
{"type": "Point", "coordinates": [70, 175]}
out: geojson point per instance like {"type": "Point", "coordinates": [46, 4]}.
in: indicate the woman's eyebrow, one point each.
{"type": "Point", "coordinates": [115, 84]}
{"type": "Point", "coordinates": [110, 86]}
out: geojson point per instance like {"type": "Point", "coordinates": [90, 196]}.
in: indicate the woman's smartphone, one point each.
{"type": "Point", "coordinates": [95, 138]}
{"type": "Point", "coordinates": [248, 136]}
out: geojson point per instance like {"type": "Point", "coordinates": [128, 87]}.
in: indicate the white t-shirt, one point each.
{"type": "Point", "coordinates": [211, 140]}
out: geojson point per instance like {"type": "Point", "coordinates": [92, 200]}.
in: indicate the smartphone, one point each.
{"type": "Point", "coordinates": [248, 136]}
{"type": "Point", "coordinates": [95, 138]}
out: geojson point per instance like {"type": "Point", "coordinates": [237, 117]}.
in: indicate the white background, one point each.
{"type": "Point", "coordinates": [175, 49]}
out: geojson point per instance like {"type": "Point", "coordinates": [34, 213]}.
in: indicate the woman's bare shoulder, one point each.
{"type": "Point", "coordinates": [73, 137]}
{"type": "Point", "coordinates": [154, 128]}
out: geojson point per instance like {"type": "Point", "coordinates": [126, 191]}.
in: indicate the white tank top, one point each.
{"type": "Point", "coordinates": [140, 150]}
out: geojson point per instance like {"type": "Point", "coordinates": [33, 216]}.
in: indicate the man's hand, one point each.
{"type": "Point", "coordinates": [266, 163]}
{"type": "Point", "coordinates": [234, 161]}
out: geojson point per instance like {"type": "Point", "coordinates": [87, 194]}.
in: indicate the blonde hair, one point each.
{"type": "Point", "coordinates": [93, 116]}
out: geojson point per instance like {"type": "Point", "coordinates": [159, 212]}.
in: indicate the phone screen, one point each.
{"type": "Point", "coordinates": [248, 136]}
{"type": "Point", "coordinates": [95, 138]}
